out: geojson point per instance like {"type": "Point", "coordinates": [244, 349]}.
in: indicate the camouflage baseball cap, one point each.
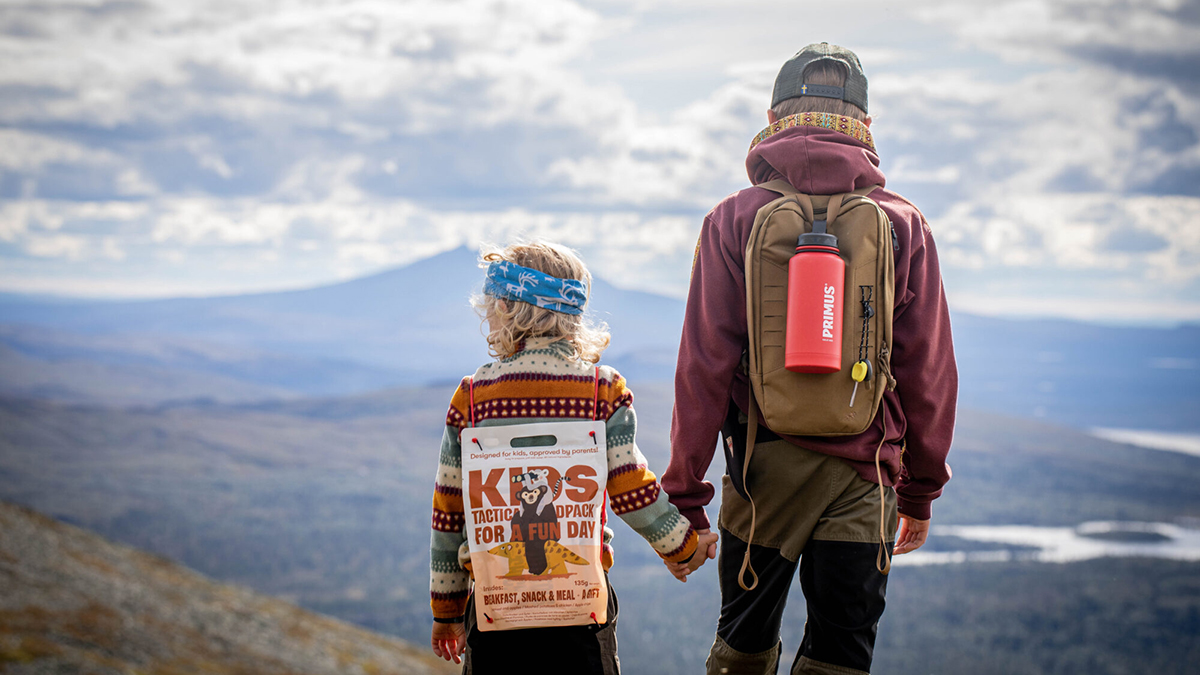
{"type": "Point", "coordinates": [790, 81]}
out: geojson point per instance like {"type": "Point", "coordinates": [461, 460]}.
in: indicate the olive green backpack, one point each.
{"type": "Point", "coordinates": [804, 404]}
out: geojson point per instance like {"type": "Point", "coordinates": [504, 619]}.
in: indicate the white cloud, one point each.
{"type": "Point", "coordinates": [342, 237]}
{"type": "Point", "coordinates": [908, 169]}
{"type": "Point", "coordinates": [296, 142]}
{"type": "Point", "coordinates": [131, 183]}
{"type": "Point", "coordinates": [27, 151]}
{"type": "Point", "coordinates": [256, 60]}
{"type": "Point", "coordinates": [1030, 30]}
{"type": "Point", "coordinates": [1155, 238]}
{"type": "Point", "coordinates": [691, 159]}
{"type": "Point", "coordinates": [1070, 166]}
{"type": "Point", "coordinates": [110, 249]}
{"type": "Point", "coordinates": [1079, 307]}
{"type": "Point", "coordinates": [207, 157]}
{"type": "Point", "coordinates": [56, 246]}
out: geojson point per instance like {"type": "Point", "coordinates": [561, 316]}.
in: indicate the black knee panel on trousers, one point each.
{"type": "Point", "coordinates": [843, 590]}
{"type": "Point", "coordinates": [844, 593]}
{"type": "Point", "coordinates": [750, 620]}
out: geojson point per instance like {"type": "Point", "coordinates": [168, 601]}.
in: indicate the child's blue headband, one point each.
{"type": "Point", "coordinates": [513, 282]}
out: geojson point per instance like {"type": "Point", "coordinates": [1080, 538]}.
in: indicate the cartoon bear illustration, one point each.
{"type": "Point", "coordinates": [539, 480]}
{"type": "Point", "coordinates": [535, 520]}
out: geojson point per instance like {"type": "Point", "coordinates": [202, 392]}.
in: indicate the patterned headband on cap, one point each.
{"type": "Point", "coordinates": [511, 281]}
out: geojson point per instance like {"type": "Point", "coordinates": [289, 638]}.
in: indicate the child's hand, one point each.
{"type": "Point", "coordinates": [705, 549]}
{"type": "Point", "coordinates": [449, 640]}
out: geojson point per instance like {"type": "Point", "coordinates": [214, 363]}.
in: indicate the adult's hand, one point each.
{"type": "Point", "coordinates": [706, 549]}
{"type": "Point", "coordinates": [911, 536]}
{"type": "Point", "coordinates": [449, 640]}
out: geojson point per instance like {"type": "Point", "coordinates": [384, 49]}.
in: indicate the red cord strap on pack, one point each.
{"type": "Point", "coordinates": [595, 408]}
{"type": "Point", "coordinates": [595, 619]}
{"type": "Point", "coordinates": [596, 394]}
{"type": "Point", "coordinates": [489, 619]}
{"type": "Point", "coordinates": [471, 396]}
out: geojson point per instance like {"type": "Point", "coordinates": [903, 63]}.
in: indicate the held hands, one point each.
{"type": "Point", "coordinates": [911, 536]}
{"type": "Point", "coordinates": [449, 640]}
{"type": "Point", "coordinates": [705, 549]}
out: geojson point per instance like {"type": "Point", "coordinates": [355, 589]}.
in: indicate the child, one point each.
{"type": "Point", "coordinates": [533, 301]}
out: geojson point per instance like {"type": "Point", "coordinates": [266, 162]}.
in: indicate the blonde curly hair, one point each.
{"type": "Point", "coordinates": [511, 322]}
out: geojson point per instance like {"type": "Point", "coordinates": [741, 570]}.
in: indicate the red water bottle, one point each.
{"type": "Point", "coordinates": [816, 275]}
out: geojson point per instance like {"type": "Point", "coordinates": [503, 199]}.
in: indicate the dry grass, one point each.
{"type": "Point", "coordinates": [96, 608]}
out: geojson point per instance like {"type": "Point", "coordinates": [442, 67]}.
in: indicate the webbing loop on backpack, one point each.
{"type": "Point", "coordinates": [751, 438]}
{"type": "Point", "coordinates": [833, 209]}
{"type": "Point", "coordinates": [883, 561]}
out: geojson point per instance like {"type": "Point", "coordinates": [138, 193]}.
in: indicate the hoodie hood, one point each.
{"type": "Point", "coordinates": [817, 153]}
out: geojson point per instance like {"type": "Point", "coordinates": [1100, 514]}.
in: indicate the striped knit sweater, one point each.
{"type": "Point", "coordinates": [541, 383]}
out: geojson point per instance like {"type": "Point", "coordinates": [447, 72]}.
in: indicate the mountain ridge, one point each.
{"type": "Point", "coordinates": [414, 325]}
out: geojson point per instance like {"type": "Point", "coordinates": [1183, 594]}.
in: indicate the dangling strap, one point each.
{"type": "Point", "coordinates": [751, 437]}
{"type": "Point", "coordinates": [471, 396]}
{"type": "Point", "coordinates": [883, 561]}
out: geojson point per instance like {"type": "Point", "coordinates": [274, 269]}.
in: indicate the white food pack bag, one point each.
{"type": "Point", "coordinates": [533, 499]}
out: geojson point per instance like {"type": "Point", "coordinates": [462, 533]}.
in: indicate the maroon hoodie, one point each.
{"type": "Point", "coordinates": [818, 154]}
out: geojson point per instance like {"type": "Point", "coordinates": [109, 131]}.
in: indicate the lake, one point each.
{"type": "Point", "coordinates": [1089, 540]}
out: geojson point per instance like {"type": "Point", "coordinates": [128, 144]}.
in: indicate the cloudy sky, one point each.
{"type": "Point", "coordinates": [152, 148]}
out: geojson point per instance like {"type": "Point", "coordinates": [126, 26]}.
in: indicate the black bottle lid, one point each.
{"type": "Point", "coordinates": [818, 237]}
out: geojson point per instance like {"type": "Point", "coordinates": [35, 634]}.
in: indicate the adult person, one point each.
{"type": "Point", "coordinates": [818, 498]}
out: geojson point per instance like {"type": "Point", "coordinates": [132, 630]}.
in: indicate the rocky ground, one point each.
{"type": "Point", "coordinates": [72, 602]}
